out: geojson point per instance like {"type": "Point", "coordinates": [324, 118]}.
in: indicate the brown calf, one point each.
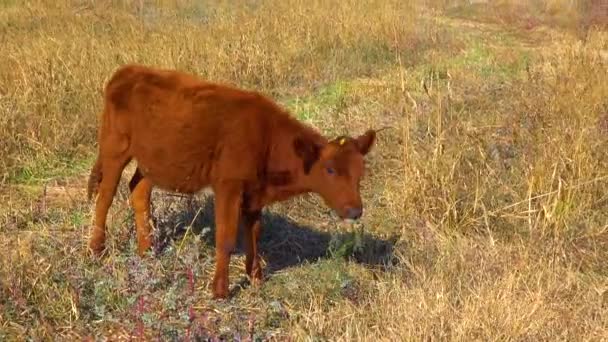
{"type": "Point", "coordinates": [187, 135]}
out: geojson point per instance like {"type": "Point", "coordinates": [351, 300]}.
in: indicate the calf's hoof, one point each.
{"type": "Point", "coordinates": [219, 288]}
{"type": "Point", "coordinates": [97, 242]}
{"type": "Point", "coordinates": [256, 277]}
{"type": "Point", "coordinates": [144, 247]}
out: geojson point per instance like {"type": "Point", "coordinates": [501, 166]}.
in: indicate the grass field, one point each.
{"type": "Point", "coordinates": [486, 201]}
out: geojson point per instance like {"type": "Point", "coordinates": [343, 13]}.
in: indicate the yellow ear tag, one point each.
{"type": "Point", "coordinates": [342, 141]}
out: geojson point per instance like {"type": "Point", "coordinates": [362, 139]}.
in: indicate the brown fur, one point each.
{"type": "Point", "coordinates": [186, 135]}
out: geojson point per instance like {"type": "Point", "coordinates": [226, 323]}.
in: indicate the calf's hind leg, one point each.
{"type": "Point", "coordinates": [141, 191]}
{"type": "Point", "coordinates": [111, 169]}
{"type": "Point", "coordinates": [252, 228]}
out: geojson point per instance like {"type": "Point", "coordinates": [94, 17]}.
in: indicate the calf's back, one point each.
{"type": "Point", "coordinates": [186, 133]}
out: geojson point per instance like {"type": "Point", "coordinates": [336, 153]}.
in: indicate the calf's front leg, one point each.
{"type": "Point", "coordinates": [228, 198]}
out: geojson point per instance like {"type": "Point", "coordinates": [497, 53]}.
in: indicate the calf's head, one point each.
{"type": "Point", "coordinates": [334, 171]}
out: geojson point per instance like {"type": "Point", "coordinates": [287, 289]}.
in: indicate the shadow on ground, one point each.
{"type": "Point", "coordinates": [283, 244]}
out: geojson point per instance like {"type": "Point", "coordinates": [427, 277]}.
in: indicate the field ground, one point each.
{"type": "Point", "coordinates": [486, 200]}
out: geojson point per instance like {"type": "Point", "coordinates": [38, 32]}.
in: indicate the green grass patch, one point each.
{"type": "Point", "coordinates": [486, 62]}
{"type": "Point", "coordinates": [321, 103]}
{"type": "Point", "coordinates": [40, 171]}
{"type": "Point", "coordinates": [324, 281]}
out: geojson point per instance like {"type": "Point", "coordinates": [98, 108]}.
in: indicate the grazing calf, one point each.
{"type": "Point", "coordinates": [187, 135]}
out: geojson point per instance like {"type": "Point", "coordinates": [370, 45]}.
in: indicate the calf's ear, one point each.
{"type": "Point", "coordinates": [308, 151]}
{"type": "Point", "coordinates": [365, 141]}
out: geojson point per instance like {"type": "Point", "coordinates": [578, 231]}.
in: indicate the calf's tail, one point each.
{"type": "Point", "coordinates": [94, 180]}
{"type": "Point", "coordinates": [96, 175]}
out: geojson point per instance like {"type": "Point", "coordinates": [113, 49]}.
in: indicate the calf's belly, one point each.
{"type": "Point", "coordinates": [172, 173]}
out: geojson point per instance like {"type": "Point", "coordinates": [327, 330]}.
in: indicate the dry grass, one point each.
{"type": "Point", "coordinates": [58, 57]}
{"type": "Point", "coordinates": [486, 208]}
{"type": "Point", "coordinates": [578, 16]}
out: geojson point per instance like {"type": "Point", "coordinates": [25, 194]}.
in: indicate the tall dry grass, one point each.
{"type": "Point", "coordinates": [577, 16]}
{"type": "Point", "coordinates": [57, 56]}
{"type": "Point", "coordinates": [502, 203]}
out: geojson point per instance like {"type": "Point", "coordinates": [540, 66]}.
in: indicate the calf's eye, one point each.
{"type": "Point", "coordinates": [330, 170]}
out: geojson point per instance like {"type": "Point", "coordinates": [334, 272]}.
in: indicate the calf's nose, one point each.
{"type": "Point", "coordinates": [353, 213]}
